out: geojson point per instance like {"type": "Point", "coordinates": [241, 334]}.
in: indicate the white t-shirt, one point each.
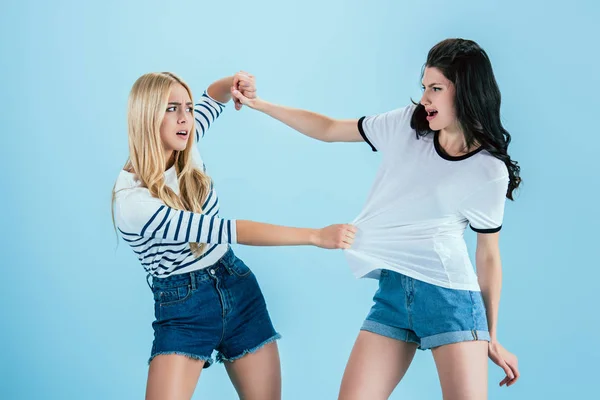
{"type": "Point", "coordinates": [420, 204]}
{"type": "Point", "coordinates": [159, 235]}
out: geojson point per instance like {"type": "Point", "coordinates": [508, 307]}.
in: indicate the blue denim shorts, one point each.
{"type": "Point", "coordinates": [220, 308]}
{"type": "Point", "coordinates": [414, 311]}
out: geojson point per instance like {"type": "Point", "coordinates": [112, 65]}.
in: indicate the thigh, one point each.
{"type": "Point", "coordinates": [172, 376]}
{"type": "Point", "coordinates": [462, 369]}
{"type": "Point", "coordinates": [376, 365]}
{"type": "Point", "coordinates": [257, 376]}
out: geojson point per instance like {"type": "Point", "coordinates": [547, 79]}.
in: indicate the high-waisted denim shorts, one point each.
{"type": "Point", "coordinates": [220, 308]}
{"type": "Point", "coordinates": [414, 311]}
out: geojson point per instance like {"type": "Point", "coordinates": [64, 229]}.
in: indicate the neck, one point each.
{"type": "Point", "coordinates": [170, 157]}
{"type": "Point", "coordinates": [453, 141]}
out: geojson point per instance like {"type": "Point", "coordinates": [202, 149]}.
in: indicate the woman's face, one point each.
{"type": "Point", "coordinates": [438, 100]}
{"type": "Point", "coordinates": [176, 125]}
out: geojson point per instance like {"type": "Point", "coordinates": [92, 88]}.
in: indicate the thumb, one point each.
{"type": "Point", "coordinates": [239, 96]}
{"type": "Point", "coordinates": [236, 101]}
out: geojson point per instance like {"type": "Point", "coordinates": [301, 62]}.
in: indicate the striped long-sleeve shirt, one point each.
{"type": "Point", "coordinates": [160, 235]}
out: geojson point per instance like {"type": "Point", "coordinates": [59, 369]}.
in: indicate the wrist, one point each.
{"type": "Point", "coordinates": [259, 104]}
{"type": "Point", "coordinates": [313, 237]}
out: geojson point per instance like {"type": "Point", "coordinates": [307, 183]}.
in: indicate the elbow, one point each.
{"type": "Point", "coordinates": [328, 135]}
{"type": "Point", "coordinates": [488, 258]}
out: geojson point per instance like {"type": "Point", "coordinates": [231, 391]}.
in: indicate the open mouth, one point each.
{"type": "Point", "coordinates": [431, 114]}
{"type": "Point", "coordinates": [182, 134]}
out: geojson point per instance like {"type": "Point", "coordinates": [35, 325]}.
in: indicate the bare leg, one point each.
{"type": "Point", "coordinates": [172, 377]}
{"type": "Point", "coordinates": [376, 366]}
{"type": "Point", "coordinates": [257, 376]}
{"type": "Point", "coordinates": [463, 370]}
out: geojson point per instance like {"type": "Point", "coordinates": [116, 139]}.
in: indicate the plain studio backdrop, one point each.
{"type": "Point", "coordinates": [76, 310]}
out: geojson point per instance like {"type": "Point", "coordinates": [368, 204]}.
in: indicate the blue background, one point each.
{"type": "Point", "coordinates": [76, 310]}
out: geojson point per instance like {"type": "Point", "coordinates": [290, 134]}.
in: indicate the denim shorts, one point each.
{"type": "Point", "coordinates": [220, 308]}
{"type": "Point", "coordinates": [414, 311]}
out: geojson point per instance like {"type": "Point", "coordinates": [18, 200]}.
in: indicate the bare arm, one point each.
{"type": "Point", "coordinates": [489, 272]}
{"type": "Point", "coordinates": [309, 123]}
{"type": "Point", "coordinates": [220, 90]}
{"type": "Point", "coordinates": [253, 233]}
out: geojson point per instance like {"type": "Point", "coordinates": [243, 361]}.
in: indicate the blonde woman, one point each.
{"type": "Point", "coordinates": [167, 209]}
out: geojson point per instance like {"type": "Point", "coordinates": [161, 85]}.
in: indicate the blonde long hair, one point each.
{"type": "Point", "coordinates": [148, 101]}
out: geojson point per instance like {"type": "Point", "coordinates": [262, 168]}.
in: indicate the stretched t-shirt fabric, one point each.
{"type": "Point", "coordinates": [160, 235]}
{"type": "Point", "coordinates": [420, 204]}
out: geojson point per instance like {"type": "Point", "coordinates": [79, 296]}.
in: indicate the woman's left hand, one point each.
{"type": "Point", "coordinates": [245, 83]}
{"type": "Point", "coordinates": [505, 360]}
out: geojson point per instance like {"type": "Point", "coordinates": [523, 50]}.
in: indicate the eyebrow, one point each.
{"type": "Point", "coordinates": [189, 103]}
{"type": "Point", "coordinates": [432, 84]}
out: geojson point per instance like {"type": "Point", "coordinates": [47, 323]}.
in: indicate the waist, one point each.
{"type": "Point", "coordinates": [219, 268]}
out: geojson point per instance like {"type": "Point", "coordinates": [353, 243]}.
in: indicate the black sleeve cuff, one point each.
{"type": "Point", "coordinates": [362, 133]}
{"type": "Point", "coordinates": [493, 230]}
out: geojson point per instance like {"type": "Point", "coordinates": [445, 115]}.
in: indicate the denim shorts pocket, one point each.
{"type": "Point", "coordinates": [240, 268]}
{"type": "Point", "coordinates": [171, 296]}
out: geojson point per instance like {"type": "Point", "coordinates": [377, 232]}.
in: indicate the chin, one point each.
{"type": "Point", "coordinates": [180, 146]}
{"type": "Point", "coordinates": [437, 125]}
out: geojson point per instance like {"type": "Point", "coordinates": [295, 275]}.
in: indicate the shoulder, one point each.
{"type": "Point", "coordinates": [486, 169]}
{"type": "Point", "coordinates": [129, 189]}
{"type": "Point", "coordinates": [397, 116]}
{"type": "Point", "coordinates": [387, 123]}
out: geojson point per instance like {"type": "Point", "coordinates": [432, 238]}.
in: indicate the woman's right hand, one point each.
{"type": "Point", "coordinates": [338, 236]}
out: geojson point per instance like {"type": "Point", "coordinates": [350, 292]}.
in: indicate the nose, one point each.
{"type": "Point", "coordinates": [424, 100]}
{"type": "Point", "coordinates": [182, 118]}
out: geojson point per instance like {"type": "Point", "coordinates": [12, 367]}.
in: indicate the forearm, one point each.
{"type": "Point", "coordinates": [221, 90]}
{"type": "Point", "coordinates": [489, 269]}
{"type": "Point", "coordinates": [260, 234]}
{"type": "Point", "coordinates": [306, 122]}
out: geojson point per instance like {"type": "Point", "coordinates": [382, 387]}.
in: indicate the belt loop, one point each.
{"type": "Point", "coordinates": [148, 282]}
{"type": "Point", "coordinates": [193, 279]}
{"type": "Point", "coordinates": [225, 265]}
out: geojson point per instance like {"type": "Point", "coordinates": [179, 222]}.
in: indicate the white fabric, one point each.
{"type": "Point", "coordinates": [420, 203]}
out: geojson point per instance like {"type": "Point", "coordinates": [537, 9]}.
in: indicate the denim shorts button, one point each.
{"type": "Point", "coordinates": [212, 271]}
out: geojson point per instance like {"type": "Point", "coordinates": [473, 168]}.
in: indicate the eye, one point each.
{"type": "Point", "coordinates": [437, 89]}
{"type": "Point", "coordinates": [171, 109]}
{"type": "Point", "coordinates": [190, 109]}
